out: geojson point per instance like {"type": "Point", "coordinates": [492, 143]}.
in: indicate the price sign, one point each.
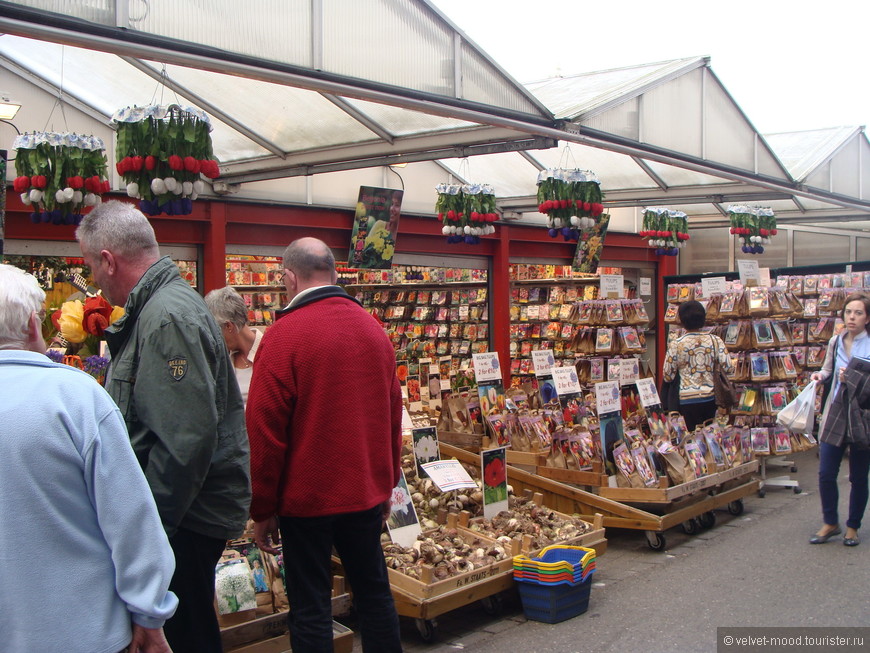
{"type": "Point", "coordinates": [486, 367]}
{"type": "Point", "coordinates": [712, 285]}
{"type": "Point", "coordinates": [749, 272]}
{"type": "Point", "coordinates": [649, 396]}
{"type": "Point", "coordinates": [566, 380]}
{"type": "Point", "coordinates": [543, 361]}
{"type": "Point", "coordinates": [611, 285]}
{"type": "Point", "coordinates": [645, 286]}
{"type": "Point", "coordinates": [608, 399]}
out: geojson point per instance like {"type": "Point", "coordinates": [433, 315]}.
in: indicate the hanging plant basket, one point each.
{"type": "Point", "coordinates": [162, 153]}
{"type": "Point", "coordinates": [59, 175]}
{"type": "Point", "coordinates": [466, 211]}
{"type": "Point", "coordinates": [665, 230]}
{"type": "Point", "coordinates": [571, 200]}
{"type": "Point", "coordinates": [753, 227]}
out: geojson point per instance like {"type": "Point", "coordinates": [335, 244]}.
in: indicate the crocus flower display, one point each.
{"type": "Point", "coordinates": [60, 175]}
{"type": "Point", "coordinates": [467, 211]}
{"type": "Point", "coordinates": [666, 230]}
{"type": "Point", "coordinates": [163, 153]}
{"type": "Point", "coordinates": [571, 200]}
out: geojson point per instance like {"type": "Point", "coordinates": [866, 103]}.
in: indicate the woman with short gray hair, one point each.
{"type": "Point", "coordinates": [242, 341]}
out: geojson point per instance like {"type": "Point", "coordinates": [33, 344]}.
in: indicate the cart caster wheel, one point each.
{"type": "Point", "coordinates": [427, 629]}
{"type": "Point", "coordinates": [690, 527]}
{"type": "Point", "coordinates": [707, 519]}
{"type": "Point", "coordinates": [794, 469]}
{"type": "Point", "coordinates": [492, 605]}
{"type": "Point", "coordinates": [656, 541]}
{"type": "Point", "coordinates": [736, 507]}
{"type": "Point", "coordinates": [797, 490]}
{"type": "Point", "coordinates": [761, 494]}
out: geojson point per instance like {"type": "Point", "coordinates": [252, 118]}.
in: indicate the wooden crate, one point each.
{"type": "Point", "coordinates": [676, 492]}
{"type": "Point", "coordinates": [342, 641]}
{"type": "Point", "coordinates": [473, 442]}
{"type": "Point", "coordinates": [261, 629]}
{"type": "Point", "coordinates": [591, 539]}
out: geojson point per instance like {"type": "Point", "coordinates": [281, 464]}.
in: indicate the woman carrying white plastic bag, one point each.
{"type": "Point", "coordinates": [799, 415]}
{"type": "Point", "coordinates": [834, 436]}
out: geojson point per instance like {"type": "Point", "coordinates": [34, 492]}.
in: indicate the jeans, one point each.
{"type": "Point", "coordinates": [307, 547]}
{"type": "Point", "coordinates": [194, 626]}
{"type": "Point", "coordinates": [829, 467]}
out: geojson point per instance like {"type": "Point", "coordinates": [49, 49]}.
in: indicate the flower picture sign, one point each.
{"type": "Point", "coordinates": [375, 228]}
{"type": "Point", "coordinates": [495, 495]}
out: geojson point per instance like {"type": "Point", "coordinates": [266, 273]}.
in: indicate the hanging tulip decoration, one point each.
{"type": "Point", "coordinates": [665, 230]}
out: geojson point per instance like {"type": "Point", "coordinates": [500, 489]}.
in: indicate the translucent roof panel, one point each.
{"type": "Point", "coordinates": [508, 173]}
{"type": "Point", "coordinates": [406, 45]}
{"type": "Point", "coordinates": [570, 97]}
{"type": "Point", "coordinates": [401, 122]}
{"type": "Point", "coordinates": [803, 151]}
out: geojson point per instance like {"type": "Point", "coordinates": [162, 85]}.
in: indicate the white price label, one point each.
{"type": "Point", "coordinates": [645, 286]}
{"type": "Point", "coordinates": [486, 366]}
{"type": "Point", "coordinates": [611, 285]}
{"type": "Point", "coordinates": [566, 380]}
{"type": "Point", "coordinates": [712, 285]}
{"type": "Point", "coordinates": [608, 398]}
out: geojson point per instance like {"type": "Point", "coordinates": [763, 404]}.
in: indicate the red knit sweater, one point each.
{"type": "Point", "coordinates": [324, 413]}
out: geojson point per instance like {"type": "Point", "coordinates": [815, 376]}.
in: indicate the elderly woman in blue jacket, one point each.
{"type": "Point", "coordinates": [852, 342]}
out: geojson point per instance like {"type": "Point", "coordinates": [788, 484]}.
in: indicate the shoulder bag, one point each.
{"type": "Point", "coordinates": [723, 390]}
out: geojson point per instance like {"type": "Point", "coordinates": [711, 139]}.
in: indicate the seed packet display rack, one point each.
{"type": "Point", "coordinates": [797, 337]}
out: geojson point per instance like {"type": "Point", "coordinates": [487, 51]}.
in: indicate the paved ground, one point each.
{"type": "Point", "coordinates": [756, 569]}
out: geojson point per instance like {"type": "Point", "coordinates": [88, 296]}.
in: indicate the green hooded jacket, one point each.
{"type": "Point", "coordinates": [172, 378]}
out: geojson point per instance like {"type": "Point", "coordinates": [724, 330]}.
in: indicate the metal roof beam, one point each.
{"type": "Point", "coordinates": [53, 90]}
{"type": "Point", "coordinates": [531, 159]}
{"type": "Point", "coordinates": [204, 104]}
{"type": "Point", "coordinates": [360, 117]}
{"type": "Point", "coordinates": [457, 152]}
{"type": "Point", "coordinates": [643, 165]}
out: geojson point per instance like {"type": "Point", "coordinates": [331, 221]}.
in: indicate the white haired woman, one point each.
{"type": "Point", "coordinates": [242, 341]}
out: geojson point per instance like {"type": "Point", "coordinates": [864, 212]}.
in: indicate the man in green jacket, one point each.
{"type": "Point", "coordinates": [173, 381]}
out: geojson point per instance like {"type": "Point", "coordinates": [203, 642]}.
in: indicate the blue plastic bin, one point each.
{"type": "Point", "coordinates": [554, 603]}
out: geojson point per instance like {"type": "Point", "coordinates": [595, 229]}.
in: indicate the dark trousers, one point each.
{"type": "Point", "coordinates": [194, 627]}
{"type": "Point", "coordinates": [307, 546]}
{"type": "Point", "coordinates": [829, 468]}
{"type": "Point", "coordinates": [698, 413]}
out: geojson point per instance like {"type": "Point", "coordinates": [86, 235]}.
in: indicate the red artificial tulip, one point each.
{"type": "Point", "coordinates": [21, 184]}
{"type": "Point", "coordinates": [150, 162]}
{"type": "Point", "coordinates": [176, 162]}
{"type": "Point", "coordinates": [191, 164]}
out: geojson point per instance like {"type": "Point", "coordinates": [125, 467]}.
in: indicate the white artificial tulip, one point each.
{"type": "Point", "coordinates": [170, 183]}
{"type": "Point", "coordinates": [467, 230]}
{"type": "Point", "coordinates": [186, 188]}
{"type": "Point", "coordinates": [557, 222]}
{"type": "Point", "coordinates": [68, 193]}
{"type": "Point", "coordinates": [575, 221]}
{"type": "Point", "coordinates": [77, 197]}
{"type": "Point", "coordinates": [198, 186]}
{"type": "Point", "coordinates": [194, 195]}
{"type": "Point", "coordinates": [445, 230]}
{"type": "Point", "coordinates": [35, 195]}
{"type": "Point", "coordinates": [25, 199]}
{"type": "Point", "coordinates": [158, 187]}
{"type": "Point", "coordinates": [652, 243]}
{"type": "Point", "coordinates": [133, 189]}
{"type": "Point", "coordinates": [59, 197]}
{"type": "Point", "coordinates": [90, 199]}
{"type": "Point", "coordinates": [97, 200]}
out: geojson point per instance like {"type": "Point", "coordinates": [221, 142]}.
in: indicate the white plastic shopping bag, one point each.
{"type": "Point", "coordinates": [800, 414]}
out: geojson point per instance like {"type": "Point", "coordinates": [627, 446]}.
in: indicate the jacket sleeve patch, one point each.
{"type": "Point", "coordinates": [177, 367]}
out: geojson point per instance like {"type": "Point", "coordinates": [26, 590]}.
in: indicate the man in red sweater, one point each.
{"type": "Point", "coordinates": [324, 419]}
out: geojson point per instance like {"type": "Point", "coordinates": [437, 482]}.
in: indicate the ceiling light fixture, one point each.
{"type": "Point", "coordinates": [8, 109]}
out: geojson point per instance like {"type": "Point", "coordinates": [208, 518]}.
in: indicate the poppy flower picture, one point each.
{"type": "Point", "coordinates": [495, 494]}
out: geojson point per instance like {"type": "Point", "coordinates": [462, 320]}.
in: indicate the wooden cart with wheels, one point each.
{"type": "Point", "coordinates": [653, 510]}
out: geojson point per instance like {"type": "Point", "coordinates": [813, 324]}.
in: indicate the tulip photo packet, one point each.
{"type": "Point", "coordinates": [697, 463]}
{"type": "Point", "coordinates": [760, 440]}
{"type": "Point", "coordinates": [494, 467]}
{"type": "Point", "coordinates": [642, 465]}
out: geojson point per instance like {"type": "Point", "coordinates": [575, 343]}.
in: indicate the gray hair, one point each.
{"type": "Point", "coordinates": [120, 228]}
{"type": "Point", "coordinates": [20, 296]}
{"type": "Point", "coordinates": [309, 257]}
{"type": "Point", "coordinates": [227, 305]}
